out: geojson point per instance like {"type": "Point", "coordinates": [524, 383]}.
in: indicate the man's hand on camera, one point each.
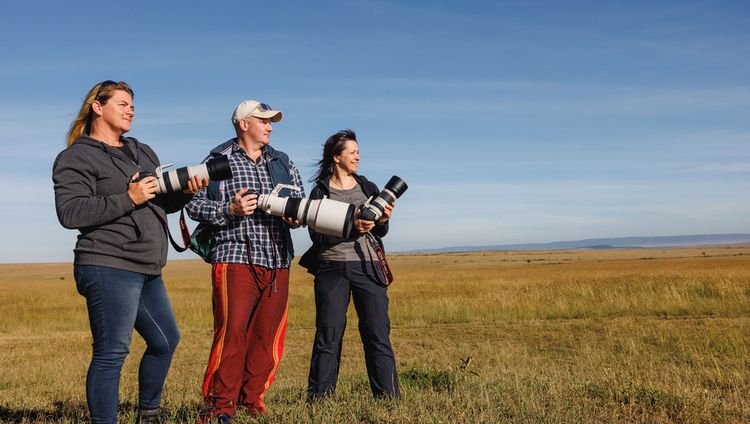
{"type": "Point", "coordinates": [195, 185]}
{"type": "Point", "coordinates": [294, 223]}
{"type": "Point", "coordinates": [243, 204]}
{"type": "Point", "coordinates": [141, 190]}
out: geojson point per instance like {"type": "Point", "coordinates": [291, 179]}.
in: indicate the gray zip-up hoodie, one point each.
{"type": "Point", "coordinates": [91, 183]}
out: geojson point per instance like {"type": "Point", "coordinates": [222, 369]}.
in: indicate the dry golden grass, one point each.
{"type": "Point", "coordinates": [646, 335]}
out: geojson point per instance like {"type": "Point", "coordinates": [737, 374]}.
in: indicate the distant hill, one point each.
{"type": "Point", "coordinates": [607, 243]}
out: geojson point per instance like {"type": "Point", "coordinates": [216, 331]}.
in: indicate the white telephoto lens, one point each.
{"type": "Point", "coordinates": [272, 205]}
{"type": "Point", "coordinates": [200, 171]}
{"type": "Point", "coordinates": [325, 216]}
{"type": "Point", "coordinates": [330, 217]}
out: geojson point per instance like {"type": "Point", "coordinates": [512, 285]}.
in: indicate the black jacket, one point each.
{"type": "Point", "coordinates": [310, 259]}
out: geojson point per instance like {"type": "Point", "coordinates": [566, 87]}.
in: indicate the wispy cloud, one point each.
{"type": "Point", "coordinates": [488, 99]}
{"type": "Point", "coordinates": [726, 168]}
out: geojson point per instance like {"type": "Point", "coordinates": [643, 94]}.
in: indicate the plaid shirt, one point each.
{"type": "Point", "coordinates": [261, 232]}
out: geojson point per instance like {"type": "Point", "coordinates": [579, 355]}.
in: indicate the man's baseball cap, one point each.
{"type": "Point", "coordinates": [256, 109]}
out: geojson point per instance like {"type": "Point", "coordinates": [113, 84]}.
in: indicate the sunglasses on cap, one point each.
{"type": "Point", "coordinates": [263, 107]}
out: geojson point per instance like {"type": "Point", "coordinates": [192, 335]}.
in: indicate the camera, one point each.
{"type": "Point", "coordinates": [325, 216]}
{"type": "Point", "coordinates": [215, 169]}
{"type": "Point", "coordinates": [142, 175]}
{"type": "Point", "coordinates": [372, 210]}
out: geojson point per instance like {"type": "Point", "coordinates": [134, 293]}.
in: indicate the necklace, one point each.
{"type": "Point", "coordinates": [339, 186]}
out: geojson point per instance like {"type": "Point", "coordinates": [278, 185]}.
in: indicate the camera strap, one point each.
{"type": "Point", "coordinates": [251, 265]}
{"type": "Point", "coordinates": [184, 231]}
{"type": "Point", "coordinates": [380, 254]}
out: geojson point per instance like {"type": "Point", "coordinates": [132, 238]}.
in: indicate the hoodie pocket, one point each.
{"type": "Point", "coordinates": [144, 245]}
{"type": "Point", "coordinates": [136, 228]}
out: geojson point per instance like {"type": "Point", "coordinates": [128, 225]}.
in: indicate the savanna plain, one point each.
{"type": "Point", "coordinates": [639, 335]}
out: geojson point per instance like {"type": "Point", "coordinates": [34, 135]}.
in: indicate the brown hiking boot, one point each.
{"type": "Point", "coordinates": [149, 416]}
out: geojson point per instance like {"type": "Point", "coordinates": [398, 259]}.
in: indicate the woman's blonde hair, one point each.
{"type": "Point", "coordinates": [102, 92]}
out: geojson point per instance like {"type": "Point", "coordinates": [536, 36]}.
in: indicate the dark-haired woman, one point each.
{"type": "Point", "coordinates": [345, 267]}
{"type": "Point", "coordinates": [105, 188]}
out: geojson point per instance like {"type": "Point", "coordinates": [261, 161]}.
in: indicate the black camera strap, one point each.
{"type": "Point", "coordinates": [184, 231]}
{"type": "Point", "coordinates": [381, 260]}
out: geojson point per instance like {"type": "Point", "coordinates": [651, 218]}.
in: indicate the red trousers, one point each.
{"type": "Point", "coordinates": [250, 313]}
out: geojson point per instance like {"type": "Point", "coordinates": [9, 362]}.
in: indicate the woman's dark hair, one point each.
{"type": "Point", "coordinates": [332, 147]}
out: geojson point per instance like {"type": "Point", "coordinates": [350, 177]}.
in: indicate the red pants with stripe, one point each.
{"type": "Point", "coordinates": [250, 313]}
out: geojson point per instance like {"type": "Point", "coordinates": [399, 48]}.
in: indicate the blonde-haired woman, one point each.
{"type": "Point", "coordinates": [105, 189]}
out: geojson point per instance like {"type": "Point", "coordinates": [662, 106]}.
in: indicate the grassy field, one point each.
{"type": "Point", "coordinates": [643, 335]}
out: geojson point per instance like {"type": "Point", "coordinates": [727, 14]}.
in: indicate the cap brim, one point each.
{"type": "Point", "coordinates": [273, 115]}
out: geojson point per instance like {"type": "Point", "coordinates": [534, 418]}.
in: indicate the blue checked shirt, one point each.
{"type": "Point", "coordinates": [260, 232]}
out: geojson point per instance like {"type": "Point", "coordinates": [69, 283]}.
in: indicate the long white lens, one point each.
{"type": "Point", "coordinates": [330, 217]}
{"type": "Point", "coordinates": [325, 216]}
{"type": "Point", "coordinates": [216, 169]}
{"type": "Point", "coordinates": [177, 179]}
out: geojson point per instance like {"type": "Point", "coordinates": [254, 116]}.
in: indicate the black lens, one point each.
{"type": "Point", "coordinates": [397, 186]}
{"type": "Point", "coordinates": [218, 168]}
{"type": "Point", "coordinates": [349, 220]}
{"type": "Point", "coordinates": [371, 213]}
{"type": "Point", "coordinates": [183, 176]}
{"type": "Point", "coordinates": [291, 207]}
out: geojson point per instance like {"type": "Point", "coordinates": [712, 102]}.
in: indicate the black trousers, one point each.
{"type": "Point", "coordinates": [333, 284]}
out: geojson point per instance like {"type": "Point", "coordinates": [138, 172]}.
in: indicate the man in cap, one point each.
{"type": "Point", "coordinates": [251, 253]}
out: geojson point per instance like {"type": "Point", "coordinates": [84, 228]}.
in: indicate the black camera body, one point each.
{"type": "Point", "coordinates": [142, 175]}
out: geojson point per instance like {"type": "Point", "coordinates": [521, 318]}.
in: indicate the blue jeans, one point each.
{"type": "Point", "coordinates": [119, 301]}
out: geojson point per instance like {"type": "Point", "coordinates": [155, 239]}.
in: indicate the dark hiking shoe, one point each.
{"type": "Point", "coordinates": [149, 416]}
{"type": "Point", "coordinates": [208, 418]}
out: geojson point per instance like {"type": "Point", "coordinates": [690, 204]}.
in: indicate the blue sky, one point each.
{"type": "Point", "coordinates": [511, 121]}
